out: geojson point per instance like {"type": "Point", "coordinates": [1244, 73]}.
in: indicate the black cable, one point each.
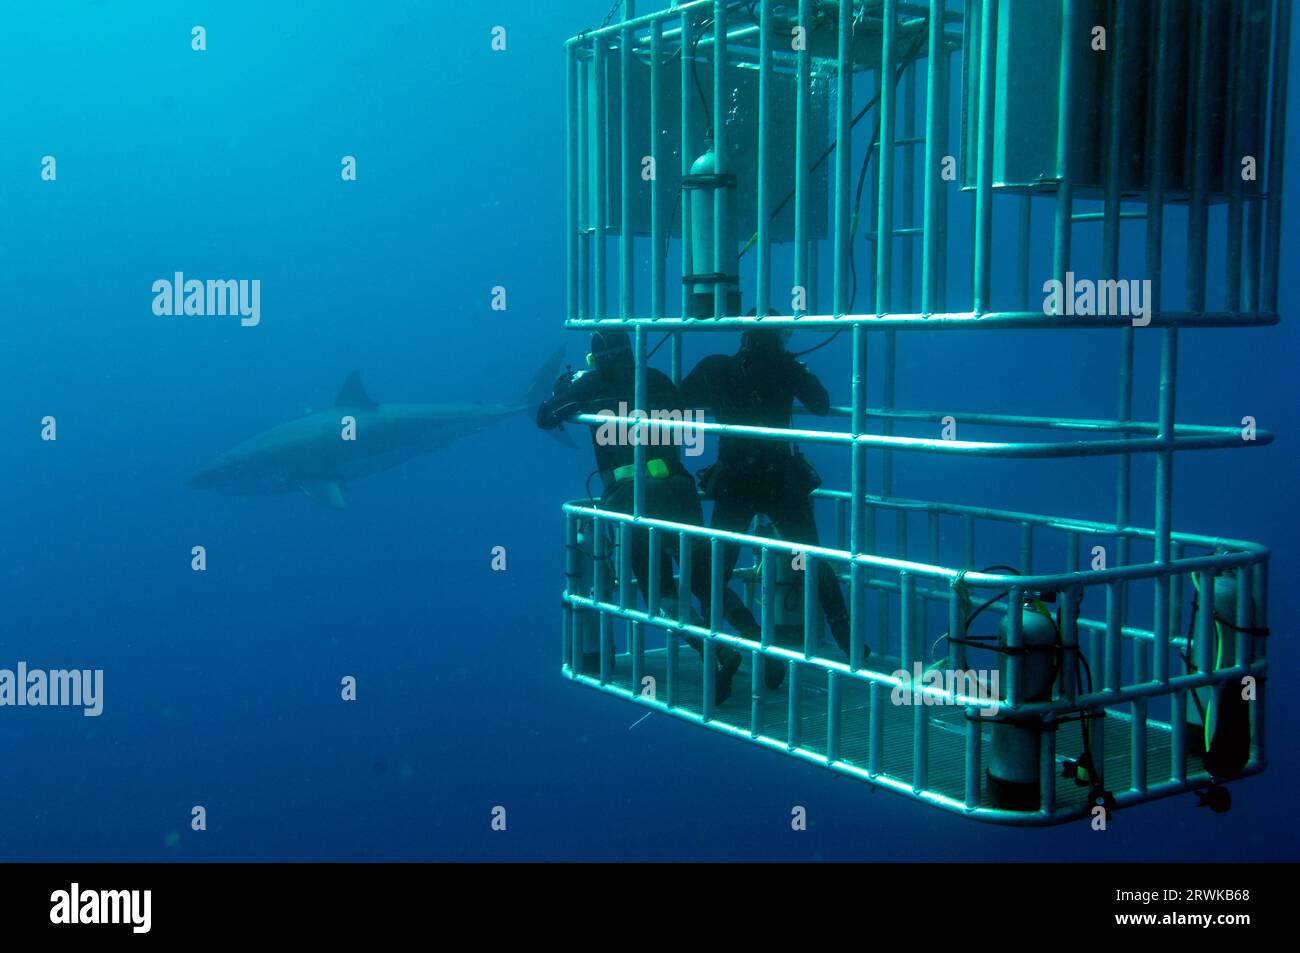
{"type": "Point", "coordinates": [912, 54]}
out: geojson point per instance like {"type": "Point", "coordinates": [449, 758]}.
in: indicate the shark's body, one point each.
{"type": "Point", "coordinates": [312, 456]}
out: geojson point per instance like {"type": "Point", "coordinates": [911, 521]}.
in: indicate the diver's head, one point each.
{"type": "Point", "coordinates": [763, 344]}
{"type": "Point", "coordinates": [610, 348]}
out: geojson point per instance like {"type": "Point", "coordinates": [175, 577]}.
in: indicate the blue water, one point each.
{"type": "Point", "coordinates": [222, 688]}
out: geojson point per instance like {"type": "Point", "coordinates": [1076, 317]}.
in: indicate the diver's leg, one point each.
{"type": "Point", "coordinates": [795, 522]}
{"type": "Point", "coordinates": [733, 510]}
{"type": "Point", "coordinates": [681, 505]}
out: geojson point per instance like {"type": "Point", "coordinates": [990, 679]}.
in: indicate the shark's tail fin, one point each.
{"type": "Point", "coordinates": [542, 384]}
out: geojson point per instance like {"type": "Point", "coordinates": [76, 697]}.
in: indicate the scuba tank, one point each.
{"type": "Point", "coordinates": [1015, 742]}
{"type": "Point", "coordinates": [711, 266]}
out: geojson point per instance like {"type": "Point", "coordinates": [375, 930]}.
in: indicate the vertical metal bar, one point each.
{"type": "Point", "coordinates": [599, 79]}
{"type": "Point", "coordinates": [1065, 142]}
{"type": "Point", "coordinates": [1178, 736]}
{"type": "Point", "coordinates": [1239, 32]}
{"type": "Point", "coordinates": [803, 85]}
{"type": "Point", "coordinates": [684, 573]}
{"type": "Point", "coordinates": [1027, 548]}
{"type": "Point", "coordinates": [689, 152]}
{"type": "Point", "coordinates": [654, 581]}
{"type": "Point", "coordinates": [1277, 143]}
{"type": "Point", "coordinates": [763, 266]}
{"type": "Point", "coordinates": [600, 547]}
{"type": "Point", "coordinates": [567, 656]}
{"type": "Point", "coordinates": [812, 623]}
{"type": "Point", "coordinates": [639, 398]}
{"type": "Point", "coordinates": [941, 286]}
{"type": "Point", "coordinates": [584, 240]}
{"type": "Point", "coordinates": [1047, 768]}
{"type": "Point", "coordinates": [1244, 618]}
{"type": "Point", "coordinates": [908, 265]}
{"type": "Point", "coordinates": [624, 565]}
{"type": "Point", "coordinates": [956, 630]}
{"type": "Point", "coordinates": [1260, 653]}
{"type": "Point", "coordinates": [715, 625]}
{"type": "Point", "coordinates": [1015, 641]}
{"type": "Point", "coordinates": [653, 585]}
{"type": "Point", "coordinates": [794, 715]}
{"type": "Point", "coordinates": [920, 747]}
{"type": "Point", "coordinates": [973, 730]}
{"type": "Point", "coordinates": [658, 240]}
{"type": "Point", "coordinates": [832, 717]}
{"type": "Point", "coordinates": [571, 178]}
{"type": "Point", "coordinates": [933, 155]}
{"type": "Point", "coordinates": [843, 157]}
{"type": "Point", "coordinates": [885, 162]}
{"type": "Point", "coordinates": [875, 729]}
{"type": "Point", "coordinates": [625, 173]}
{"type": "Point", "coordinates": [1070, 644]}
{"type": "Point", "coordinates": [1110, 267]}
{"type": "Point", "coordinates": [907, 653]}
{"type": "Point", "coordinates": [983, 251]}
{"type": "Point", "coordinates": [721, 227]}
{"type": "Point", "coordinates": [858, 502]}
{"type": "Point", "coordinates": [767, 623]}
{"type": "Point", "coordinates": [1114, 636]}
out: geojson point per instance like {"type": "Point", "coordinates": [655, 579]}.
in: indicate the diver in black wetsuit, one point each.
{"type": "Point", "coordinates": [669, 490]}
{"type": "Point", "coordinates": [757, 387]}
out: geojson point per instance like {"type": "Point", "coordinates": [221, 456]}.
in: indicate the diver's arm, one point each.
{"type": "Point", "coordinates": [571, 392]}
{"type": "Point", "coordinates": [810, 391]}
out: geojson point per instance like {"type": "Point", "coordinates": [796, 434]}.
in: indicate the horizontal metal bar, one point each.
{"type": "Point", "coordinates": [957, 320]}
{"type": "Point", "coordinates": [1098, 425]}
{"type": "Point", "coordinates": [1060, 815]}
{"type": "Point", "coordinates": [1065, 524]}
{"type": "Point", "coordinates": [704, 6]}
{"type": "Point", "coordinates": [963, 448]}
{"type": "Point", "coordinates": [976, 580]}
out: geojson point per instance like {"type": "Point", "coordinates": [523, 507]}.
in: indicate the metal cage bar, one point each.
{"type": "Point", "coordinates": [905, 596]}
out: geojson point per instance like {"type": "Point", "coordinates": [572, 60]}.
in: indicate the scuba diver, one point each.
{"type": "Point", "coordinates": [669, 492]}
{"type": "Point", "coordinates": [757, 386]}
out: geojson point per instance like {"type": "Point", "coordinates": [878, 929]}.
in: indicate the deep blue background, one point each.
{"type": "Point", "coordinates": [222, 688]}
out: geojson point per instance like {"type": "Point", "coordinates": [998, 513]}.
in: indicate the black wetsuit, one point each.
{"type": "Point", "coordinates": [672, 498]}
{"type": "Point", "coordinates": [765, 476]}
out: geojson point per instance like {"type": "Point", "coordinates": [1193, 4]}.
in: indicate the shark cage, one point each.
{"type": "Point", "coordinates": [967, 160]}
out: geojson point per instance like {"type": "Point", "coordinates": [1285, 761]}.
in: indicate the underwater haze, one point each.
{"type": "Point", "coordinates": [222, 688]}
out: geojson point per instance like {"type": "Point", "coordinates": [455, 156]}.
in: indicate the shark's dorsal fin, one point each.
{"type": "Point", "coordinates": [353, 394]}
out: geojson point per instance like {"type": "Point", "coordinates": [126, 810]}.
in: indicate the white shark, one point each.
{"type": "Point", "coordinates": [312, 454]}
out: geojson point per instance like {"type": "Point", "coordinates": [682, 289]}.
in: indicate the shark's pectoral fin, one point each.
{"type": "Point", "coordinates": [325, 492]}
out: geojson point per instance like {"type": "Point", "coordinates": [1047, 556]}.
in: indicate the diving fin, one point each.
{"type": "Point", "coordinates": [1230, 744]}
